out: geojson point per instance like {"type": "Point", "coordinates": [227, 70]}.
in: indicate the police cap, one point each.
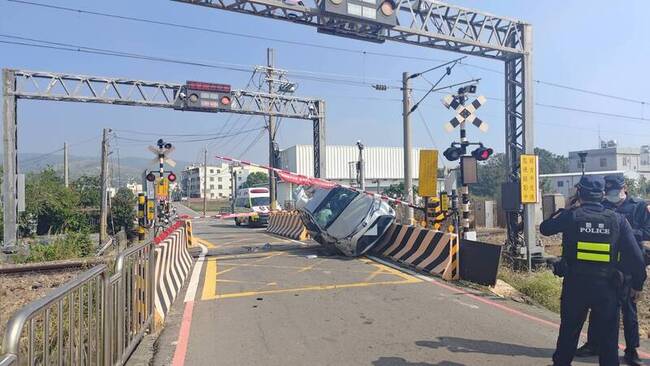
{"type": "Point", "coordinates": [590, 189]}
{"type": "Point", "coordinates": [614, 182]}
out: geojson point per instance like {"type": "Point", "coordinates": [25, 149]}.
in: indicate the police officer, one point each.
{"type": "Point", "coordinates": [592, 240]}
{"type": "Point", "coordinates": [638, 215]}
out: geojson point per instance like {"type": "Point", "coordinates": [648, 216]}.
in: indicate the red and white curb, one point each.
{"type": "Point", "coordinates": [186, 322]}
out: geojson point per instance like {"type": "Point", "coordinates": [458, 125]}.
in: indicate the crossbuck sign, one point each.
{"type": "Point", "coordinates": [464, 113]}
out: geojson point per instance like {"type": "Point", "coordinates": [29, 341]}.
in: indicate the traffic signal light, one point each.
{"type": "Point", "coordinates": [378, 12]}
{"type": "Point", "coordinates": [202, 96]}
{"type": "Point", "coordinates": [482, 153]}
{"type": "Point", "coordinates": [171, 177]}
{"type": "Point", "coordinates": [151, 177]}
{"type": "Point", "coordinates": [453, 153]}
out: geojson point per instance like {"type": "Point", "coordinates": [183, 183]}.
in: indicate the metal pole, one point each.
{"type": "Point", "coordinates": [408, 183]}
{"type": "Point", "coordinates": [103, 206]}
{"type": "Point", "coordinates": [464, 189]}
{"type": "Point", "coordinates": [10, 139]}
{"type": "Point", "coordinates": [233, 185]}
{"type": "Point", "coordinates": [270, 55]}
{"type": "Point", "coordinates": [530, 235]}
{"type": "Point", "coordinates": [362, 167]}
{"type": "Point", "coordinates": [205, 181]}
{"type": "Point", "coordinates": [65, 165]}
{"type": "Point", "coordinates": [319, 142]}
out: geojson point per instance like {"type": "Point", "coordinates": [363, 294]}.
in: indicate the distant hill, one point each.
{"type": "Point", "coordinates": [129, 168]}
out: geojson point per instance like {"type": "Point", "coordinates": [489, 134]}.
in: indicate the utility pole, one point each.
{"type": "Point", "coordinates": [205, 180]}
{"type": "Point", "coordinates": [103, 207]}
{"type": "Point", "coordinates": [270, 61]}
{"type": "Point", "coordinates": [65, 165]}
{"type": "Point", "coordinates": [406, 114]}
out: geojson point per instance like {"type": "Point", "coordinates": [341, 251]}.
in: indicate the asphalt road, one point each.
{"type": "Point", "coordinates": [263, 300]}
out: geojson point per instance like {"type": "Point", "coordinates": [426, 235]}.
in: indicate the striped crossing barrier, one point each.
{"type": "Point", "coordinates": [287, 224]}
{"type": "Point", "coordinates": [173, 263]}
{"type": "Point", "coordinates": [430, 251]}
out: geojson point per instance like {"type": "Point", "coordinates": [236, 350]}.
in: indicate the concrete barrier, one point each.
{"type": "Point", "coordinates": [429, 251]}
{"type": "Point", "coordinates": [287, 224]}
{"type": "Point", "coordinates": [173, 264]}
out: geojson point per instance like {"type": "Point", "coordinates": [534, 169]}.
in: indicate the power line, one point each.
{"type": "Point", "coordinates": [201, 64]}
{"type": "Point", "coordinates": [305, 44]}
{"type": "Point", "coordinates": [192, 140]}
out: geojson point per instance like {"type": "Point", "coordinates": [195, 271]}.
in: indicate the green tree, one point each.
{"type": "Point", "coordinates": [89, 189]}
{"type": "Point", "coordinates": [397, 191]}
{"type": "Point", "coordinates": [256, 179]}
{"type": "Point", "coordinates": [550, 163]}
{"type": "Point", "coordinates": [54, 206]}
{"type": "Point", "coordinates": [123, 210]}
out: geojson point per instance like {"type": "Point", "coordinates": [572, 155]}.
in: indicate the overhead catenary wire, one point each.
{"type": "Point", "coordinates": [201, 64]}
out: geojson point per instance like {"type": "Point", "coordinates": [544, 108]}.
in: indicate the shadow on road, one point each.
{"type": "Point", "coordinates": [463, 345]}
{"type": "Point", "coordinates": [398, 361]}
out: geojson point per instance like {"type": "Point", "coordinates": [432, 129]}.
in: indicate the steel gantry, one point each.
{"type": "Point", "coordinates": [434, 24]}
{"type": "Point", "coordinates": [21, 84]}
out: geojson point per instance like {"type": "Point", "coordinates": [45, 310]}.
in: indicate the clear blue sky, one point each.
{"type": "Point", "coordinates": [591, 45]}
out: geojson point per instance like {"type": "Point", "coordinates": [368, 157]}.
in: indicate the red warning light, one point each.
{"type": "Point", "coordinates": [171, 177]}
{"type": "Point", "coordinates": [225, 100]}
{"type": "Point", "coordinates": [151, 177]}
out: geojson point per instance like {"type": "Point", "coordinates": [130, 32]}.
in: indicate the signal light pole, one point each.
{"type": "Point", "coordinates": [270, 60]}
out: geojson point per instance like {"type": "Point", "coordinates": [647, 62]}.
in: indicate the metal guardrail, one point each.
{"type": "Point", "coordinates": [94, 319]}
{"type": "Point", "coordinates": [132, 291]}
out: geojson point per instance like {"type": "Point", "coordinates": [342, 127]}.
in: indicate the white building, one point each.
{"type": "Point", "coordinates": [134, 187]}
{"type": "Point", "coordinates": [219, 180]}
{"type": "Point", "coordinates": [611, 157]}
{"type": "Point", "coordinates": [383, 166]}
{"type": "Point", "coordinates": [564, 183]}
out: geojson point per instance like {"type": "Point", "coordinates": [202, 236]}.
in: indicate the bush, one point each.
{"type": "Point", "coordinates": [69, 246]}
{"type": "Point", "coordinates": [542, 286]}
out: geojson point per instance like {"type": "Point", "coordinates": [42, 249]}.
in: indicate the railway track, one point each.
{"type": "Point", "coordinates": [52, 266]}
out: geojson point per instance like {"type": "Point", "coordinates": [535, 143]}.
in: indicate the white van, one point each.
{"type": "Point", "coordinates": [256, 201]}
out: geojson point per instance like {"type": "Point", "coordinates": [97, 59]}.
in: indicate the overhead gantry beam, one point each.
{"type": "Point", "coordinates": [432, 24]}
{"type": "Point", "coordinates": [120, 91]}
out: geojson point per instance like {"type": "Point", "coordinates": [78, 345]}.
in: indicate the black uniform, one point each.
{"type": "Point", "coordinates": [637, 214]}
{"type": "Point", "coordinates": [593, 239]}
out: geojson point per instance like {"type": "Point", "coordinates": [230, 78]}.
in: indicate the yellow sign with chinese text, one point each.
{"type": "Point", "coordinates": [428, 173]}
{"type": "Point", "coordinates": [529, 182]}
{"type": "Point", "coordinates": [162, 189]}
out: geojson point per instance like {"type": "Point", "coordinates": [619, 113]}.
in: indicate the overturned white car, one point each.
{"type": "Point", "coordinates": [352, 222]}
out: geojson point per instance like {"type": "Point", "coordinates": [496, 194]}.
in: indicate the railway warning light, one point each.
{"type": "Point", "coordinates": [151, 177]}
{"type": "Point", "coordinates": [171, 177]}
{"type": "Point", "coordinates": [482, 153]}
{"type": "Point", "coordinates": [453, 153]}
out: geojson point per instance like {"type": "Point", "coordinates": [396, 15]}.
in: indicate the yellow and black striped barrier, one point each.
{"type": "Point", "coordinates": [427, 250]}
{"type": "Point", "coordinates": [287, 224]}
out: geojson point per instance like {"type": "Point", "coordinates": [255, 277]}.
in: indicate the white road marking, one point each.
{"type": "Point", "coordinates": [466, 304]}
{"type": "Point", "coordinates": [194, 280]}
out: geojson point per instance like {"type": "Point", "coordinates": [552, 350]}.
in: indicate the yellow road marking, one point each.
{"type": "Point", "coordinates": [307, 268]}
{"type": "Point", "coordinates": [205, 242]}
{"type": "Point", "coordinates": [210, 281]}
{"type": "Point", "coordinates": [311, 288]}
{"type": "Point", "coordinates": [231, 264]}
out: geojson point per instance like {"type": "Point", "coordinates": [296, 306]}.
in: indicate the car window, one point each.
{"type": "Point", "coordinates": [333, 205]}
{"type": "Point", "coordinates": [350, 219]}
{"type": "Point", "coordinates": [260, 201]}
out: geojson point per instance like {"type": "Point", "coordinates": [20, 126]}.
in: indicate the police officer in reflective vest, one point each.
{"type": "Point", "coordinates": [638, 215]}
{"type": "Point", "coordinates": [593, 238]}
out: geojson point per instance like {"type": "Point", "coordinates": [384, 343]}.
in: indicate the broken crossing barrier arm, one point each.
{"type": "Point", "coordinates": [319, 181]}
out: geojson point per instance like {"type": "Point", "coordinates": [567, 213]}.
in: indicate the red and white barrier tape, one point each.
{"type": "Point", "coordinates": [220, 216]}
{"type": "Point", "coordinates": [324, 183]}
